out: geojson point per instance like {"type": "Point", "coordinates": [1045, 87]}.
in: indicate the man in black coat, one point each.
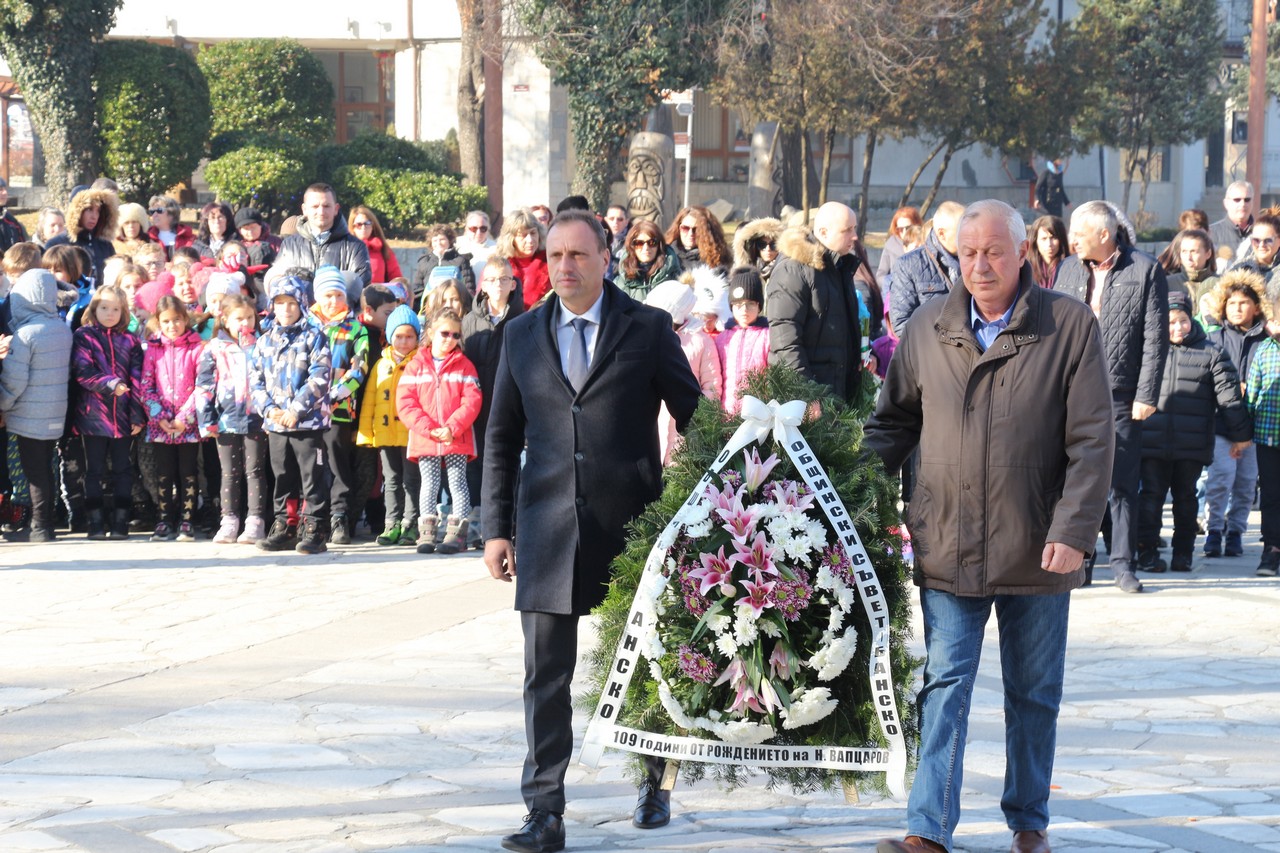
{"type": "Point", "coordinates": [1129, 295]}
{"type": "Point", "coordinates": [322, 238]}
{"type": "Point", "coordinates": [813, 302]}
{"type": "Point", "coordinates": [579, 386]}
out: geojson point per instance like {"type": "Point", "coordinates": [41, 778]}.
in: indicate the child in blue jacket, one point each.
{"type": "Point", "coordinates": [290, 378]}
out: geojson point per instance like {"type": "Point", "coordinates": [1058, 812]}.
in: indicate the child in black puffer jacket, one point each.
{"type": "Point", "coordinates": [1177, 441]}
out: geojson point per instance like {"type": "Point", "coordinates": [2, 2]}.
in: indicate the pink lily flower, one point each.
{"type": "Point", "coordinates": [715, 571]}
{"type": "Point", "coordinates": [756, 556]}
{"type": "Point", "coordinates": [780, 662]}
{"type": "Point", "coordinates": [756, 471]}
{"type": "Point", "coordinates": [769, 698]}
{"type": "Point", "coordinates": [740, 522]}
{"type": "Point", "coordinates": [788, 494]}
{"type": "Point", "coordinates": [735, 673]}
{"type": "Point", "coordinates": [757, 597]}
{"type": "Point", "coordinates": [746, 700]}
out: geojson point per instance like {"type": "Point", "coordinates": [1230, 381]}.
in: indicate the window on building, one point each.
{"type": "Point", "coordinates": [364, 88]}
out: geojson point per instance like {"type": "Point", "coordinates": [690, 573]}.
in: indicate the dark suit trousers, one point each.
{"type": "Point", "coordinates": [550, 653]}
{"type": "Point", "coordinates": [1125, 475]}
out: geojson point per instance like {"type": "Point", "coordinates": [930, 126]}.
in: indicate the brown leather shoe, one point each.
{"type": "Point", "coordinates": [910, 844]}
{"type": "Point", "coordinates": [1030, 841]}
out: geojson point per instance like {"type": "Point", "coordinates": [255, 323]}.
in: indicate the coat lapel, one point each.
{"type": "Point", "coordinates": [544, 339]}
{"type": "Point", "coordinates": [615, 319]}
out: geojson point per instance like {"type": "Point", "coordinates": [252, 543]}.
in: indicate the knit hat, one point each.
{"type": "Point", "coordinates": [674, 297]}
{"type": "Point", "coordinates": [746, 285]}
{"type": "Point", "coordinates": [328, 277]}
{"type": "Point", "coordinates": [1180, 300]}
{"type": "Point", "coordinates": [293, 287]}
{"type": "Point", "coordinates": [403, 316]}
{"type": "Point", "coordinates": [148, 296]}
{"type": "Point", "coordinates": [247, 215]}
{"type": "Point", "coordinates": [223, 284]}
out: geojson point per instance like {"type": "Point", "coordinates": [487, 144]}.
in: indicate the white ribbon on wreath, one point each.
{"type": "Point", "coordinates": [760, 420]}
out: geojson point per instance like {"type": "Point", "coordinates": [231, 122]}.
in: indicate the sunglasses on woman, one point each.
{"type": "Point", "coordinates": [645, 242]}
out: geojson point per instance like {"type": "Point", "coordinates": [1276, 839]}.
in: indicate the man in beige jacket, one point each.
{"type": "Point", "coordinates": [1003, 385]}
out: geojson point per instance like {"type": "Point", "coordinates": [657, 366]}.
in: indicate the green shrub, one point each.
{"type": "Point", "coordinates": [269, 83]}
{"type": "Point", "coordinates": [270, 179]}
{"type": "Point", "coordinates": [380, 151]}
{"type": "Point", "coordinates": [404, 199]}
{"type": "Point", "coordinates": [153, 116]}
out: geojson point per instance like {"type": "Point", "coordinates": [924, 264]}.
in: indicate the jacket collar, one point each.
{"type": "Point", "coordinates": [953, 324]}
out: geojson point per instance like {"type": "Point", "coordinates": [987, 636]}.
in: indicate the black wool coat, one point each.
{"type": "Point", "coordinates": [591, 457]}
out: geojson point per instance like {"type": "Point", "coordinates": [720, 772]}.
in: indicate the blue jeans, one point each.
{"type": "Point", "coordinates": [1033, 643]}
{"type": "Point", "coordinates": [1229, 488]}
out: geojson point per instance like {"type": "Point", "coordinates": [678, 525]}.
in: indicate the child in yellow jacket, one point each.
{"type": "Point", "coordinates": [380, 427]}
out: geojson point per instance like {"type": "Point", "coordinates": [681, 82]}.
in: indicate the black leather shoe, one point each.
{"type": "Point", "coordinates": [543, 832]}
{"type": "Point", "coordinates": [653, 809]}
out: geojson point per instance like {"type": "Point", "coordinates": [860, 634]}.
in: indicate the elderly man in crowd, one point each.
{"type": "Point", "coordinates": [1128, 293]}
{"type": "Point", "coordinates": [813, 302]}
{"type": "Point", "coordinates": [1004, 516]}
{"type": "Point", "coordinates": [1233, 229]}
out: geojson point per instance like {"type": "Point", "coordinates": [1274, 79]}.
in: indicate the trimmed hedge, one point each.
{"type": "Point", "coordinates": [270, 179]}
{"type": "Point", "coordinates": [404, 199]}
{"type": "Point", "coordinates": [153, 116]}
{"type": "Point", "coordinates": [381, 151]}
{"type": "Point", "coordinates": [269, 83]}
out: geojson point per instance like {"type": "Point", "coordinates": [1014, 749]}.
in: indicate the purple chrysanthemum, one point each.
{"type": "Point", "coordinates": [835, 559]}
{"type": "Point", "coordinates": [696, 665]}
{"type": "Point", "coordinates": [792, 597]}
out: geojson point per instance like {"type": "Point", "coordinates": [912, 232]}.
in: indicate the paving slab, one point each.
{"type": "Point", "coordinates": [215, 699]}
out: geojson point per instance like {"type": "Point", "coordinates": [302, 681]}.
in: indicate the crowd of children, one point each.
{"type": "Point", "coordinates": [176, 396]}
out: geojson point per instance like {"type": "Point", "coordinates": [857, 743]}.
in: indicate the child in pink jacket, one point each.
{"type": "Point", "coordinates": [438, 400]}
{"type": "Point", "coordinates": [744, 344]}
{"type": "Point", "coordinates": [169, 369]}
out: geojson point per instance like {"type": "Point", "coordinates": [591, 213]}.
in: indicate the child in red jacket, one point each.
{"type": "Point", "coordinates": [438, 400]}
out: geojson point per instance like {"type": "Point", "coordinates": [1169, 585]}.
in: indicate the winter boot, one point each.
{"type": "Point", "coordinates": [1235, 544]}
{"type": "Point", "coordinates": [97, 527]}
{"type": "Point", "coordinates": [390, 536]}
{"type": "Point", "coordinates": [340, 534]}
{"type": "Point", "coordinates": [1149, 560]}
{"type": "Point", "coordinates": [254, 529]}
{"type": "Point", "coordinates": [227, 531]}
{"type": "Point", "coordinates": [119, 523]}
{"type": "Point", "coordinates": [1181, 562]}
{"type": "Point", "coordinates": [409, 533]}
{"type": "Point", "coordinates": [1213, 543]}
{"type": "Point", "coordinates": [314, 537]}
{"type": "Point", "coordinates": [427, 534]}
{"type": "Point", "coordinates": [281, 538]}
{"type": "Point", "coordinates": [455, 537]}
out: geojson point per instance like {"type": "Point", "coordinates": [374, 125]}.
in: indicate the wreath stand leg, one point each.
{"type": "Point", "coordinates": [850, 791]}
{"type": "Point", "coordinates": [669, 775]}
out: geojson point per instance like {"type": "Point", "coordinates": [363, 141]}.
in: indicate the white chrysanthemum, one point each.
{"type": "Point", "coordinates": [744, 732]}
{"type": "Point", "coordinates": [808, 705]}
{"type": "Point", "coordinates": [832, 658]}
{"type": "Point", "coordinates": [817, 533]}
{"type": "Point", "coordinates": [726, 645]}
{"type": "Point", "coordinates": [700, 529]}
{"type": "Point", "coordinates": [696, 514]}
{"type": "Point", "coordinates": [719, 623]}
{"type": "Point", "coordinates": [836, 620]}
{"type": "Point", "coordinates": [745, 630]}
{"type": "Point", "coordinates": [769, 628]}
{"type": "Point", "coordinates": [824, 578]}
{"type": "Point", "coordinates": [798, 547]}
{"type": "Point", "coordinates": [844, 598]}
{"type": "Point", "coordinates": [778, 528]}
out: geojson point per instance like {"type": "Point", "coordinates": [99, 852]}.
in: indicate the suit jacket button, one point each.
{"type": "Point", "coordinates": [580, 501]}
{"type": "Point", "coordinates": [577, 410]}
{"type": "Point", "coordinates": [579, 456]}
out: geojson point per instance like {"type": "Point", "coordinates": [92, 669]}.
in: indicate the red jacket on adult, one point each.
{"type": "Point", "coordinates": [534, 276]}
{"type": "Point", "coordinates": [383, 267]}
{"type": "Point", "coordinates": [429, 398]}
{"type": "Point", "coordinates": [183, 237]}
